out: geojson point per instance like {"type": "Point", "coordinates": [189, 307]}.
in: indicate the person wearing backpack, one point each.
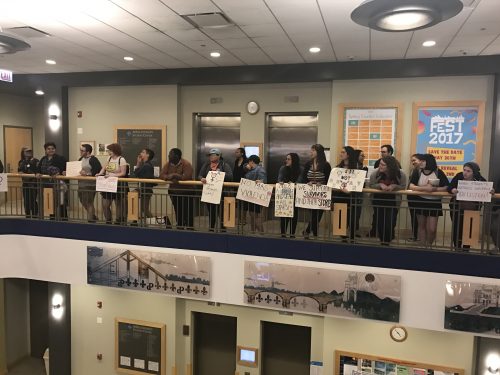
{"type": "Point", "coordinates": [144, 169]}
{"type": "Point", "coordinates": [116, 166]}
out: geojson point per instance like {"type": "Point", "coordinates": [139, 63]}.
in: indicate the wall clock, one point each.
{"type": "Point", "coordinates": [398, 333]}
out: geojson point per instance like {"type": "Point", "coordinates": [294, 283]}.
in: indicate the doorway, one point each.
{"type": "Point", "coordinates": [214, 344]}
{"type": "Point", "coordinates": [289, 132]}
{"type": "Point", "coordinates": [286, 349]}
{"type": "Point", "coordinates": [220, 131]}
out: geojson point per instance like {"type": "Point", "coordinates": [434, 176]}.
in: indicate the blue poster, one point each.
{"type": "Point", "coordinates": [450, 134]}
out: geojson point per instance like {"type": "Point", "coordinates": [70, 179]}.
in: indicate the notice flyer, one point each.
{"type": "Point", "coordinates": [212, 190]}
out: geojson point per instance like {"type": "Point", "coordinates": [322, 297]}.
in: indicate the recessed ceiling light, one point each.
{"type": "Point", "coordinates": [429, 43]}
{"type": "Point", "coordinates": [39, 92]}
{"type": "Point", "coordinates": [128, 58]}
{"type": "Point", "coordinates": [51, 62]}
{"type": "Point", "coordinates": [215, 54]}
{"type": "Point", "coordinates": [314, 49]}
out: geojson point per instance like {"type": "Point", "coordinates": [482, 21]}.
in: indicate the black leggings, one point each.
{"type": "Point", "coordinates": [290, 221]}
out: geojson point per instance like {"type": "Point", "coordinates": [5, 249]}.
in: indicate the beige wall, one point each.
{"type": "Point", "coordinates": [3, 353]}
{"type": "Point", "coordinates": [407, 91]}
{"type": "Point", "coordinates": [17, 320]}
{"type": "Point", "coordinates": [327, 334]}
{"type": "Point", "coordinates": [104, 108]}
{"type": "Point", "coordinates": [25, 112]}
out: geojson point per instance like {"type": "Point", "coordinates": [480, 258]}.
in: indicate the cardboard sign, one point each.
{"type": "Point", "coordinates": [73, 168]}
{"type": "Point", "coordinates": [212, 190]}
{"type": "Point", "coordinates": [474, 191]}
{"type": "Point", "coordinates": [349, 179]}
{"type": "Point", "coordinates": [315, 197]}
{"type": "Point", "coordinates": [284, 199]}
{"type": "Point", "coordinates": [106, 184]}
{"type": "Point", "coordinates": [253, 192]}
{"type": "Point", "coordinates": [3, 182]}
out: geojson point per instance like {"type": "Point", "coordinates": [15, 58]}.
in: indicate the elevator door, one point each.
{"type": "Point", "coordinates": [214, 346]}
{"type": "Point", "coordinates": [286, 349]}
{"type": "Point", "coordinates": [289, 133]}
{"type": "Point", "coordinates": [221, 131]}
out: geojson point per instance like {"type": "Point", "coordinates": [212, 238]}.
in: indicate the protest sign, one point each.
{"type": "Point", "coordinates": [348, 179]}
{"type": "Point", "coordinates": [474, 191]}
{"type": "Point", "coordinates": [106, 184]}
{"type": "Point", "coordinates": [73, 168]}
{"type": "Point", "coordinates": [316, 197]}
{"type": "Point", "coordinates": [253, 192]}
{"type": "Point", "coordinates": [3, 182]}
{"type": "Point", "coordinates": [212, 190]}
{"type": "Point", "coordinates": [283, 199]}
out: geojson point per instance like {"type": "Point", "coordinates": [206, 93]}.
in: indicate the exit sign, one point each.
{"type": "Point", "coordinates": [5, 75]}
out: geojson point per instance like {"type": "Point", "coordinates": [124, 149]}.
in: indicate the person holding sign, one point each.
{"type": "Point", "coordinates": [387, 178]}
{"type": "Point", "coordinates": [471, 172]}
{"type": "Point", "coordinates": [290, 173]}
{"type": "Point", "coordinates": [316, 172]}
{"type": "Point", "coordinates": [348, 160]}
{"type": "Point", "coordinates": [215, 163]}
{"type": "Point", "coordinates": [258, 174]}
{"type": "Point", "coordinates": [86, 188]}
{"type": "Point", "coordinates": [115, 167]}
{"type": "Point", "coordinates": [428, 179]}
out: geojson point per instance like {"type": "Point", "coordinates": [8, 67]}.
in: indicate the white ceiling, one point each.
{"type": "Point", "coordinates": [95, 35]}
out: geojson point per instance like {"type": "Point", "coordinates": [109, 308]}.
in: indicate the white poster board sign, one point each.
{"type": "Point", "coordinates": [474, 191]}
{"type": "Point", "coordinates": [3, 182]}
{"type": "Point", "coordinates": [73, 168]}
{"type": "Point", "coordinates": [283, 199]}
{"type": "Point", "coordinates": [254, 192]}
{"type": "Point", "coordinates": [348, 179]}
{"type": "Point", "coordinates": [315, 197]}
{"type": "Point", "coordinates": [212, 190]}
{"type": "Point", "coordinates": [106, 184]}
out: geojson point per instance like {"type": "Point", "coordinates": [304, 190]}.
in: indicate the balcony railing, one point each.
{"type": "Point", "coordinates": [357, 218]}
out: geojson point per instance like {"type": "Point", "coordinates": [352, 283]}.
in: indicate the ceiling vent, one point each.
{"type": "Point", "coordinates": [28, 32]}
{"type": "Point", "coordinates": [208, 20]}
{"type": "Point", "coordinates": [11, 44]}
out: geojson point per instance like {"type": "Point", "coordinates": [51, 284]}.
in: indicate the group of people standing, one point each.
{"type": "Point", "coordinates": [425, 177]}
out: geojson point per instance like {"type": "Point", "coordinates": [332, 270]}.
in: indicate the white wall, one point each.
{"type": "Point", "coordinates": [409, 90]}
{"type": "Point", "coordinates": [103, 108]}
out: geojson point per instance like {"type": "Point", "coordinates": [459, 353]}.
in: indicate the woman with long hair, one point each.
{"type": "Point", "coordinates": [428, 179]}
{"type": "Point", "coordinates": [316, 172]}
{"type": "Point", "coordinates": [387, 178]}
{"type": "Point", "coordinates": [290, 172]}
{"type": "Point", "coordinates": [412, 205]}
{"type": "Point", "coordinates": [348, 160]}
{"type": "Point", "coordinates": [360, 155]}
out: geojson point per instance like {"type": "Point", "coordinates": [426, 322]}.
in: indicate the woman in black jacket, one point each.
{"type": "Point", "coordinates": [144, 169]}
{"type": "Point", "coordinates": [471, 172]}
{"type": "Point", "coordinates": [28, 165]}
{"type": "Point", "coordinates": [290, 172]}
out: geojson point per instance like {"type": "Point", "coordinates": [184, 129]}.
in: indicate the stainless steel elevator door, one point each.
{"type": "Point", "coordinates": [289, 133]}
{"type": "Point", "coordinates": [220, 131]}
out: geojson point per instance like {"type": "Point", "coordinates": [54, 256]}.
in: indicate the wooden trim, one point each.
{"type": "Point", "coordinates": [338, 354]}
{"type": "Point", "coordinates": [189, 369]}
{"type": "Point", "coordinates": [247, 363]}
{"type": "Point", "coordinates": [133, 205]}
{"type": "Point", "coordinates": [382, 105]}
{"type": "Point", "coordinates": [450, 104]}
{"type": "Point", "coordinates": [229, 212]}
{"type": "Point", "coordinates": [339, 219]}
{"type": "Point", "coordinates": [471, 228]}
{"type": "Point", "coordinates": [48, 201]}
{"type": "Point", "coordinates": [163, 129]}
{"type": "Point", "coordinates": [161, 326]}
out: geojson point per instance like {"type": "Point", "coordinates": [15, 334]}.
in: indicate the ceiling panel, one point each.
{"type": "Point", "coordinates": [191, 6]}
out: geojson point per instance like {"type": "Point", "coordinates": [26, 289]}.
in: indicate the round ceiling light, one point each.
{"type": "Point", "coordinates": [429, 43]}
{"type": "Point", "coordinates": [39, 92]}
{"type": "Point", "coordinates": [128, 58]}
{"type": "Point", "coordinates": [314, 49]}
{"type": "Point", "coordinates": [11, 44]}
{"type": "Point", "coordinates": [50, 62]}
{"type": "Point", "coordinates": [215, 54]}
{"type": "Point", "coordinates": [404, 15]}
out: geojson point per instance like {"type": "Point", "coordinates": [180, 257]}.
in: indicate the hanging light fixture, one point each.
{"type": "Point", "coordinates": [404, 15]}
{"type": "Point", "coordinates": [11, 44]}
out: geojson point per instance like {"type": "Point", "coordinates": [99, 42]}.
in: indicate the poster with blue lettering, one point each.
{"type": "Point", "coordinates": [451, 131]}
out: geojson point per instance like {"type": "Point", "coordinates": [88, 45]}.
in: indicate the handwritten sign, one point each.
{"type": "Point", "coordinates": [212, 190]}
{"type": "Point", "coordinates": [106, 184]}
{"type": "Point", "coordinates": [253, 192]}
{"type": "Point", "coordinates": [474, 191]}
{"type": "Point", "coordinates": [315, 197]}
{"type": "Point", "coordinates": [283, 199]}
{"type": "Point", "coordinates": [3, 182]}
{"type": "Point", "coordinates": [73, 168]}
{"type": "Point", "coordinates": [348, 179]}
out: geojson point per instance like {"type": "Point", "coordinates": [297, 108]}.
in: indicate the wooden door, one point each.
{"type": "Point", "coordinates": [14, 139]}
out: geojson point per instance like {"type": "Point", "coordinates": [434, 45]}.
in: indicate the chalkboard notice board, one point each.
{"type": "Point", "coordinates": [134, 139]}
{"type": "Point", "coordinates": [140, 347]}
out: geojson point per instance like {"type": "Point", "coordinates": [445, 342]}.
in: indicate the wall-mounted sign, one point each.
{"type": "Point", "coordinates": [5, 75]}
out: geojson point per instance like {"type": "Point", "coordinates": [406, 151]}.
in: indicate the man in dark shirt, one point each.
{"type": "Point", "coordinates": [144, 169]}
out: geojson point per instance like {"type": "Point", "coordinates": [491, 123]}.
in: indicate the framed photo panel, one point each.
{"type": "Point", "coordinates": [451, 131]}
{"type": "Point", "coordinates": [368, 126]}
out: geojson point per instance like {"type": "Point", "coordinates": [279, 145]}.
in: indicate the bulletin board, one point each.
{"type": "Point", "coordinates": [368, 126]}
{"type": "Point", "coordinates": [133, 139]}
{"type": "Point", "coordinates": [451, 131]}
{"type": "Point", "coordinates": [347, 363]}
{"type": "Point", "coordinates": [139, 347]}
